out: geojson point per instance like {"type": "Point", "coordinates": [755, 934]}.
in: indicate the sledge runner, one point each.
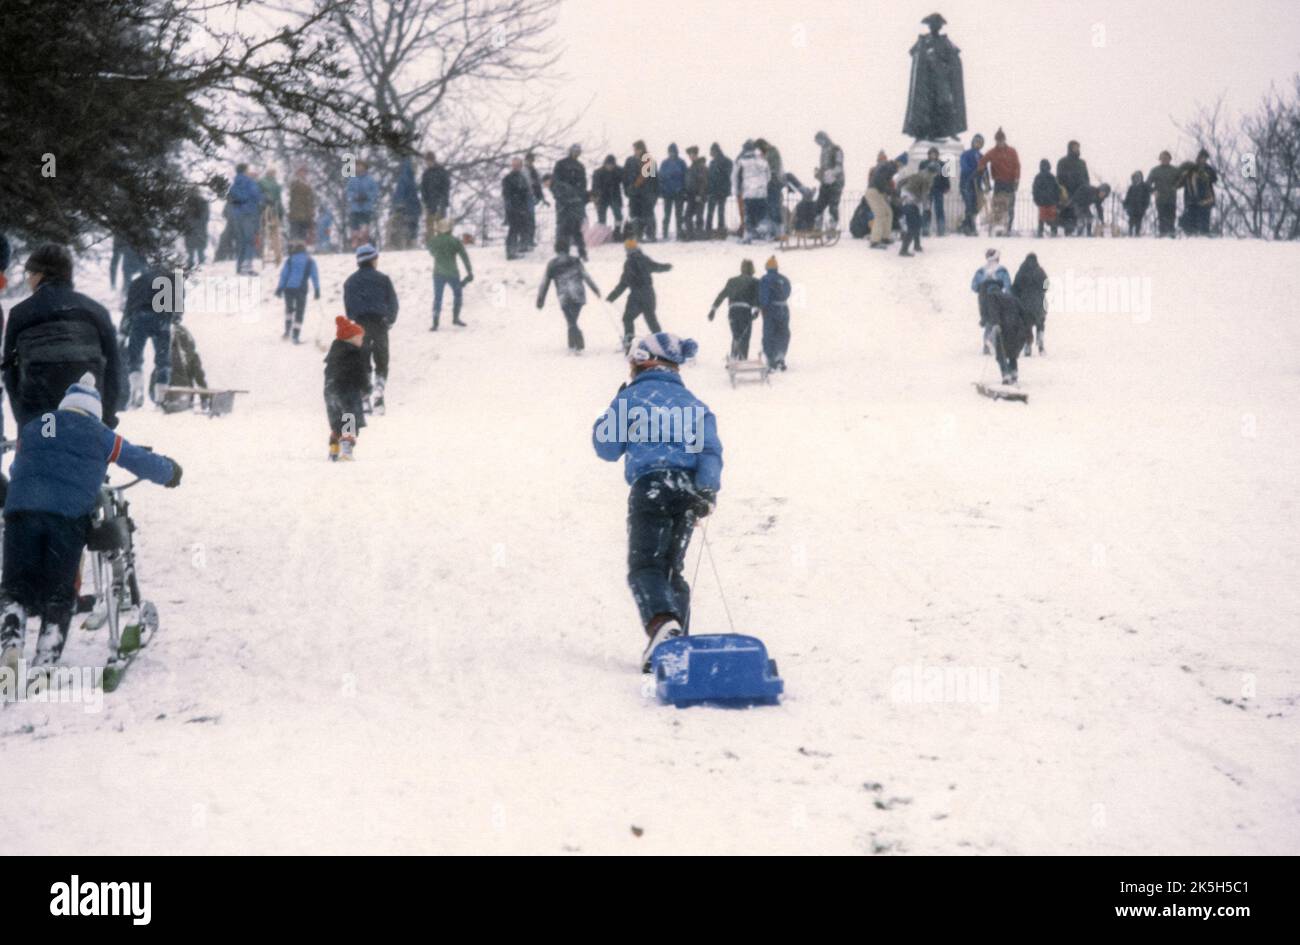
{"type": "Point", "coordinates": [370, 300]}
{"type": "Point", "coordinates": [773, 300]}
{"type": "Point", "coordinates": [55, 480]}
{"type": "Point", "coordinates": [992, 269]}
{"type": "Point", "coordinates": [568, 274]}
{"type": "Point", "coordinates": [295, 273]}
{"type": "Point", "coordinates": [674, 468]}
{"type": "Point", "coordinates": [741, 293]}
{"type": "Point", "coordinates": [638, 281]}
{"type": "Point", "coordinates": [448, 252]}
{"type": "Point", "coordinates": [1030, 287]}
{"type": "Point", "coordinates": [347, 383]}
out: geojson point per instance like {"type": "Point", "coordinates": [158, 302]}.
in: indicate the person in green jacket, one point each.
{"type": "Point", "coordinates": [446, 250]}
{"type": "Point", "coordinates": [741, 293]}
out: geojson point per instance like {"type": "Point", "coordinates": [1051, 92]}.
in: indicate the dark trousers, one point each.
{"type": "Point", "coordinates": [969, 202]}
{"type": "Point", "coordinates": [345, 413]}
{"type": "Point", "coordinates": [741, 318]}
{"type": "Point", "coordinates": [1198, 220]}
{"type": "Point", "coordinates": [692, 221]}
{"type": "Point", "coordinates": [639, 302]}
{"type": "Point", "coordinates": [1135, 224]}
{"type": "Point", "coordinates": [568, 229]}
{"type": "Point", "coordinates": [571, 312]}
{"type": "Point", "coordinates": [641, 215]}
{"type": "Point", "coordinates": [375, 347]}
{"type": "Point", "coordinates": [911, 227]}
{"type": "Point", "coordinates": [755, 215]}
{"type": "Point", "coordinates": [934, 214]}
{"type": "Point", "coordinates": [156, 327]}
{"type": "Point", "coordinates": [719, 203]}
{"type": "Point", "coordinates": [828, 198]}
{"type": "Point", "coordinates": [660, 519]}
{"type": "Point", "coordinates": [1007, 345]}
{"type": "Point", "coordinates": [42, 558]}
{"type": "Point", "coordinates": [602, 206]}
{"type": "Point", "coordinates": [1165, 213]}
{"type": "Point", "coordinates": [245, 225]}
{"type": "Point", "coordinates": [776, 333]}
{"type": "Point", "coordinates": [295, 307]}
{"type": "Point", "coordinates": [516, 236]}
{"type": "Point", "coordinates": [673, 204]}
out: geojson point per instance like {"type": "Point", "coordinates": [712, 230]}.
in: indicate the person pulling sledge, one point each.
{"type": "Point", "coordinates": [992, 269]}
{"type": "Point", "coordinates": [672, 460]}
{"type": "Point", "coordinates": [741, 293]}
{"type": "Point", "coordinates": [773, 300]}
{"type": "Point", "coordinates": [347, 383]}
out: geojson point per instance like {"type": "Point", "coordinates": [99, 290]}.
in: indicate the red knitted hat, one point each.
{"type": "Point", "coordinates": [347, 328]}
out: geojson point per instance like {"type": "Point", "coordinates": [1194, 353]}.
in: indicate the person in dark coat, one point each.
{"type": "Point", "coordinates": [435, 191]}
{"type": "Point", "coordinates": [347, 384]}
{"type": "Point", "coordinates": [741, 294]}
{"type": "Point", "coordinates": [719, 188]}
{"type": "Point", "coordinates": [697, 194]}
{"type": "Point", "coordinates": [1136, 201]}
{"type": "Point", "coordinates": [151, 303]}
{"type": "Point", "coordinates": [1030, 287]}
{"type": "Point", "coordinates": [370, 300]}
{"type": "Point", "coordinates": [1047, 196]}
{"type": "Point", "coordinates": [517, 196]}
{"type": "Point", "coordinates": [607, 187]}
{"type": "Point", "coordinates": [54, 337]}
{"type": "Point", "coordinates": [1008, 328]}
{"type": "Point", "coordinates": [939, 187]}
{"type": "Point", "coordinates": [638, 282]}
{"type": "Point", "coordinates": [672, 187]}
{"type": "Point", "coordinates": [1163, 179]}
{"type": "Point", "coordinates": [1072, 175]}
{"type": "Point", "coordinates": [58, 471]}
{"type": "Point", "coordinates": [196, 228]}
{"type": "Point", "coordinates": [570, 213]}
{"type": "Point", "coordinates": [641, 185]}
{"type": "Point", "coordinates": [569, 169]}
{"type": "Point", "coordinates": [1198, 180]}
{"type": "Point", "coordinates": [569, 276]}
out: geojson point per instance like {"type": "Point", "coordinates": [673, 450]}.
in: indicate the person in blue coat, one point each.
{"type": "Point", "coordinates": [294, 275]}
{"type": "Point", "coordinates": [672, 460]}
{"type": "Point", "coordinates": [774, 303]}
{"type": "Point", "coordinates": [406, 206]}
{"type": "Point", "coordinates": [672, 187]}
{"type": "Point", "coordinates": [992, 269]}
{"type": "Point", "coordinates": [244, 205]}
{"type": "Point", "coordinates": [968, 183]}
{"type": "Point", "coordinates": [363, 203]}
{"type": "Point", "coordinates": [60, 463]}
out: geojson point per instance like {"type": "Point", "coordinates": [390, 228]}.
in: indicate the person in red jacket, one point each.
{"type": "Point", "coordinates": [1004, 166]}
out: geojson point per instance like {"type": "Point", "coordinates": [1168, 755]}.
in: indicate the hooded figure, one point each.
{"type": "Point", "coordinates": [1030, 287]}
{"type": "Point", "coordinates": [936, 94]}
{"type": "Point", "coordinates": [672, 187]}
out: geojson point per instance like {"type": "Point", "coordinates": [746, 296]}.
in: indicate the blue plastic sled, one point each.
{"type": "Point", "coordinates": [727, 669]}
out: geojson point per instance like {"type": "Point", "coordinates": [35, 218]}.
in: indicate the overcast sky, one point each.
{"type": "Point", "coordinates": [1111, 73]}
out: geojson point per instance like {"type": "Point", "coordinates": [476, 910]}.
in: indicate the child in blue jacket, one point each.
{"type": "Point", "coordinates": [992, 269]}
{"type": "Point", "coordinates": [54, 483]}
{"type": "Point", "coordinates": [297, 269]}
{"type": "Point", "coordinates": [672, 459]}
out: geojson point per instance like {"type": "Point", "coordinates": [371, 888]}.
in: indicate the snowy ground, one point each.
{"type": "Point", "coordinates": [434, 650]}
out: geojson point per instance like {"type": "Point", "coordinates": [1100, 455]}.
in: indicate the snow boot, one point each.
{"type": "Point", "coordinates": [661, 627]}
{"type": "Point", "coordinates": [346, 446]}
{"type": "Point", "coordinates": [288, 330]}
{"type": "Point", "coordinates": [1040, 342]}
{"type": "Point", "coordinates": [334, 449]}
{"type": "Point", "coordinates": [136, 379]}
{"type": "Point", "coordinates": [49, 645]}
{"type": "Point", "coordinates": [378, 404]}
{"type": "Point", "coordinates": [11, 636]}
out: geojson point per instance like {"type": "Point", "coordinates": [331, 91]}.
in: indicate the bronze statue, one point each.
{"type": "Point", "coordinates": [936, 97]}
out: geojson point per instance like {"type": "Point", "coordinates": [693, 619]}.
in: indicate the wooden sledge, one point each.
{"type": "Point", "coordinates": [215, 403]}
{"type": "Point", "coordinates": [742, 372]}
{"type": "Point", "coordinates": [809, 239]}
{"type": "Point", "coordinates": [1001, 392]}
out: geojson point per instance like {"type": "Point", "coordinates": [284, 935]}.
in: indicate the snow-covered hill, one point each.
{"type": "Point", "coordinates": [434, 649]}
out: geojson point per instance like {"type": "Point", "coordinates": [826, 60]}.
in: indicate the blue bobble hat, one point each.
{"type": "Point", "coordinates": [663, 346]}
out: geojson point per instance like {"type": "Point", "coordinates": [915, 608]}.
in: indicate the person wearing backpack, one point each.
{"type": "Point", "coordinates": [54, 337]}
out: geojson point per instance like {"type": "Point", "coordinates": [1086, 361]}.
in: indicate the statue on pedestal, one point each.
{"type": "Point", "coordinates": [936, 96]}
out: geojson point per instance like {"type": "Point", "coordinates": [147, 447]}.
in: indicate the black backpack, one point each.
{"type": "Point", "coordinates": [53, 355]}
{"type": "Point", "coordinates": [860, 223]}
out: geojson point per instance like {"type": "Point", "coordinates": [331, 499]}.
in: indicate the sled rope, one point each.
{"type": "Point", "coordinates": [717, 578]}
